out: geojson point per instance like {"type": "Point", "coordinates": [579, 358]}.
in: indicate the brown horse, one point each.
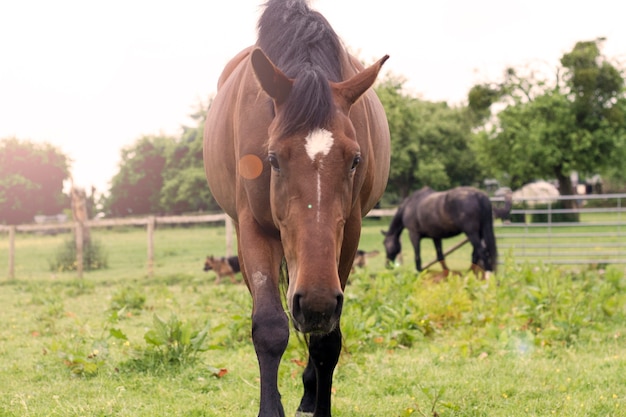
{"type": "Point", "coordinates": [296, 151]}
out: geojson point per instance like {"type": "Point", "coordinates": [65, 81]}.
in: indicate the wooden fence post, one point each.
{"type": "Point", "coordinates": [11, 252]}
{"type": "Point", "coordinates": [81, 230]}
{"type": "Point", "coordinates": [229, 235]}
{"type": "Point", "coordinates": [78, 233]}
{"type": "Point", "coordinates": [150, 227]}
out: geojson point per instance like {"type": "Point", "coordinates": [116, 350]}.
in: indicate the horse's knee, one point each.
{"type": "Point", "coordinates": [270, 333]}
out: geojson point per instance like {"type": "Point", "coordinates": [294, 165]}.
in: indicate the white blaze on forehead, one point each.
{"type": "Point", "coordinates": [318, 141]}
{"type": "Point", "coordinates": [319, 196]}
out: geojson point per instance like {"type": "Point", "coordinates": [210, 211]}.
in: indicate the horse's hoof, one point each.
{"type": "Point", "coordinates": [303, 414]}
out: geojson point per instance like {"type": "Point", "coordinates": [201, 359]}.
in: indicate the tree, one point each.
{"type": "Point", "coordinates": [185, 187]}
{"type": "Point", "coordinates": [31, 180]}
{"type": "Point", "coordinates": [136, 188]}
{"type": "Point", "coordinates": [549, 130]}
{"type": "Point", "coordinates": [163, 174]}
{"type": "Point", "coordinates": [430, 143]}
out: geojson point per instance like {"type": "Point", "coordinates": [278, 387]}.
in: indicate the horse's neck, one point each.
{"type": "Point", "coordinates": [397, 224]}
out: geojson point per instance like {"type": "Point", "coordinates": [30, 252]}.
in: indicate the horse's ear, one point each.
{"type": "Point", "coordinates": [276, 84]}
{"type": "Point", "coordinates": [352, 89]}
{"type": "Point", "coordinates": [384, 233]}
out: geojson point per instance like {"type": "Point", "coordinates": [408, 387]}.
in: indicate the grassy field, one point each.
{"type": "Point", "coordinates": [532, 341]}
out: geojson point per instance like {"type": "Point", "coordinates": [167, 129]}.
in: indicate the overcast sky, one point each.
{"type": "Point", "coordinates": [92, 77]}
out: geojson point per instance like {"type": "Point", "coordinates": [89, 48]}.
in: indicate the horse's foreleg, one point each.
{"type": "Point", "coordinates": [270, 335]}
{"type": "Point", "coordinates": [324, 353]}
{"type": "Point", "coordinates": [415, 241]}
{"type": "Point", "coordinates": [440, 257]}
{"type": "Point", "coordinates": [309, 380]}
{"type": "Point", "coordinates": [260, 266]}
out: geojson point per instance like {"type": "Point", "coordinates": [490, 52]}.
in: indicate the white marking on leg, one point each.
{"type": "Point", "coordinates": [258, 279]}
{"type": "Point", "coordinates": [319, 141]}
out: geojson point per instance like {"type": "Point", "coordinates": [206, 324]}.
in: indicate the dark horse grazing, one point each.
{"type": "Point", "coordinates": [440, 215]}
{"type": "Point", "coordinates": [296, 151]}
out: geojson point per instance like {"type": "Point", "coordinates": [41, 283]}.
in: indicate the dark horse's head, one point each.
{"type": "Point", "coordinates": [314, 157]}
{"type": "Point", "coordinates": [392, 244]}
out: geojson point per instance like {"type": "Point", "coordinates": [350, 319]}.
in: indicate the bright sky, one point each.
{"type": "Point", "coordinates": [92, 77]}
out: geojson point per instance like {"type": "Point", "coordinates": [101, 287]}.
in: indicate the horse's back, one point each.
{"type": "Point", "coordinates": [466, 202]}
{"type": "Point", "coordinates": [430, 214]}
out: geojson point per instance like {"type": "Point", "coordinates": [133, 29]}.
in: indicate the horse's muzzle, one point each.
{"type": "Point", "coordinates": [314, 314]}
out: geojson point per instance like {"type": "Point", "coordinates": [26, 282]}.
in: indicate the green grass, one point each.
{"type": "Point", "coordinates": [536, 341]}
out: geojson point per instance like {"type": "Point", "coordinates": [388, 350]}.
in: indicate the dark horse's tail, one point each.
{"type": "Point", "coordinates": [487, 233]}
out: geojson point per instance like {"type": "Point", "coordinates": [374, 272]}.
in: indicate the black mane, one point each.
{"type": "Point", "coordinates": [305, 47]}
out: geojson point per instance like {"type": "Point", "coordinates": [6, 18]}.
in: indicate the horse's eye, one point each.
{"type": "Point", "coordinates": [273, 162]}
{"type": "Point", "coordinates": [355, 162]}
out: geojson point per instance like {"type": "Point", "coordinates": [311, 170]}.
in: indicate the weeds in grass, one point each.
{"type": "Point", "coordinates": [171, 343]}
{"type": "Point", "coordinates": [526, 306]}
{"type": "Point", "coordinates": [480, 343]}
{"type": "Point", "coordinates": [81, 352]}
{"type": "Point", "coordinates": [128, 298]}
{"type": "Point", "coordinates": [76, 288]}
{"type": "Point", "coordinates": [434, 398]}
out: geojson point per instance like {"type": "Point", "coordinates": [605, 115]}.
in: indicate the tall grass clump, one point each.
{"type": "Point", "coordinates": [94, 256]}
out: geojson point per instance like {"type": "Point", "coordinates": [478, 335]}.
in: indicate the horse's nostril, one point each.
{"type": "Point", "coordinates": [339, 305]}
{"type": "Point", "coordinates": [296, 307]}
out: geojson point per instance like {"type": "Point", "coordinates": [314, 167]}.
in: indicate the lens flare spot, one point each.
{"type": "Point", "coordinates": [250, 166]}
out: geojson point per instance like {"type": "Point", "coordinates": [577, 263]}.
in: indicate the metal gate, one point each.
{"type": "Point", "coordinates": [542, 231]}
